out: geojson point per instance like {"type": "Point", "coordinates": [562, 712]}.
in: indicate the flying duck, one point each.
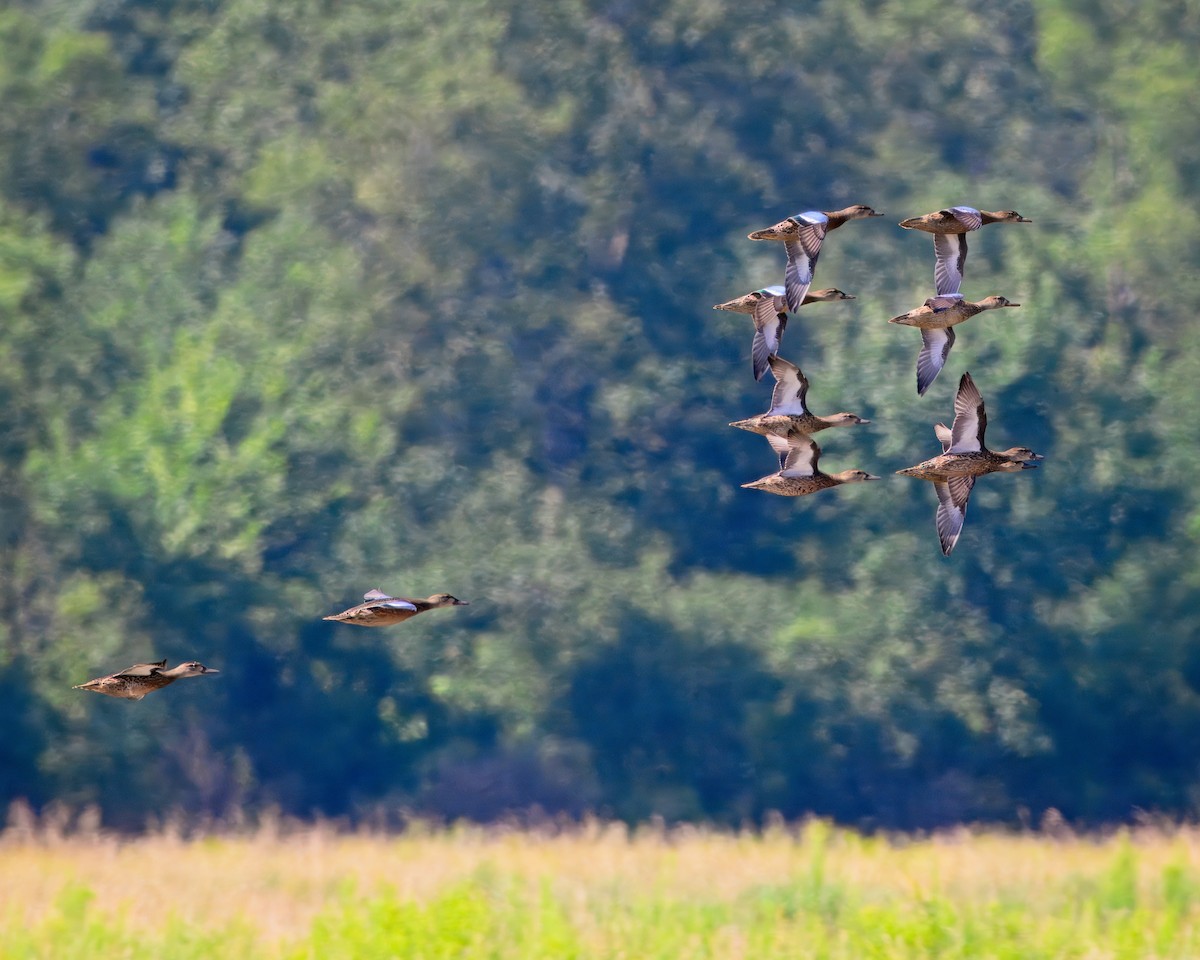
{"type": "Point", "coordinates": [950, 228]}
{"type": "Point", "coordinates": [802, 236]}
{"type": "Point", "coordinates": [380, 610]}
{"type": "Point", "coordinates": [768, 307]}
{"type": "Point", "coordinates": [964, 457]}
{"type": "Point", "coordinates": [935, 318]}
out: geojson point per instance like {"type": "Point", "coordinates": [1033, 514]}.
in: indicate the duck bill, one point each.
{"type": "Point", "coordinates": [211, 670]}
{"type": "Point", "coordinates": [1024, 220]}
{"type": "Point", "coordinates": [1012, 304]}
{"type": "Point", "coordinates": [462, 603]}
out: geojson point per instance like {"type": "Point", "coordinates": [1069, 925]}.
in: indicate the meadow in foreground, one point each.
{"type": "Point", "coordinates": [599, 892]}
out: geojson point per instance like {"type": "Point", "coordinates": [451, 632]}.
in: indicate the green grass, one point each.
{"type": "Point", "coordinates": [471, 896]}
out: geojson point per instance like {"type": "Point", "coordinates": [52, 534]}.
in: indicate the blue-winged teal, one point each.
{"type": "Point", "coordinates": [143, 678]}
{"type": "Point", "coordinates": [380, 610]}
{"type": "Point", "coordinates": [798, 474]}
{"type": "Point", "coordinates": [935, 318]}
{"type": "Point", "coordinates": [768, 307]}
{"type": "Point", "coordinates": [788, 410]}
{"type": "Point", "coordinates": [964, 457]}
{"type": "Point", "coordinates": [802, 236]}
{"type": "Point", "coordinates": [950, 228]}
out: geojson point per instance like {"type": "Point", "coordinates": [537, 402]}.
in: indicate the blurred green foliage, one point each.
{"type": "Point", "coordinates": [300, 299]}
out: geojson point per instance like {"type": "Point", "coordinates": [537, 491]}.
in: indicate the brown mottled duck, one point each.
{"type": "Point", "coordinates": [935, 318]}
{"type": "Point", "coordinates": [798, 475]}
{"type": "Point", "coordinates": [802, 236]}
{"type": "Point", "coordinates": [380, 610]}
{"type": "Point", "coordinates": [964, 457]}
{"type": "Point", "coordinates": [789, 411]}
{"type": "Point", "coordinates": [768, 307]}
{"type": "Point", "coordinates": [950, 228]}
{"type": "Point", "coordinates": [135, 682]}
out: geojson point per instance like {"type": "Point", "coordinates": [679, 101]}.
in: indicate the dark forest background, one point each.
{"type": "Point", "coordinates": [302, 298]}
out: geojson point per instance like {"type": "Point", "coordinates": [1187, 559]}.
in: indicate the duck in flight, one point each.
{"type": "Point", "coordinates": [950, 228]}
{"type": "Point", "coordinates": [768, 307]}
{"type": "Point", "coordinates": [936, 318]}
{"type": "Point", "coordinates": [963, 459]}
{"type": "Point", "coordinates": [789, 410]}
{"type": "Point", "coordinates": [798, 475]}
{"type": "Point", "coordinates": [802, 236]}
{"type": "Point", "coordinates": [135, 682]}
{"type": "Point", "coordinates": [380, 610]}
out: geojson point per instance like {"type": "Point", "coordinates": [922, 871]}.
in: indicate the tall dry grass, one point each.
{"type": "Point", "coordinates": [596, 889]}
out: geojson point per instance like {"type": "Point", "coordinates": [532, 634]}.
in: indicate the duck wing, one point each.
{"type": "Point", "coordinates": [802, 256]}
{"type": "Point", "coordinates": [395, 603]}
{"type": "Point", "coordinates": [944, 435]}
{"type": "Point", "coordinates": [769, 324]}
{"type": "Point", "coordinates": [952, 495]}
{"type": "Point", "coordinates": [791, 387]}
{"type": "Point", "coordinates": [950, 251]}
{"type": "Point", "coordinates": [142, 669]}
{"type": "Point", "coordinates": [935, 348]}
{"type": "Point", "coordinates": [377, 598]}
{"type": "Point", "coordinates": [970, 419]}
{"type": "Point", "coordinates": [781, 447]}
{"type": "Point", "coordinates": [802, 456]}
{"type": "Point", "coordinates": [969, 217]}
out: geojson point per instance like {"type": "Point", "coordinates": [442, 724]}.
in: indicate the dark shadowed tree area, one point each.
{"type": "Point", "coordinates": [301, 298]}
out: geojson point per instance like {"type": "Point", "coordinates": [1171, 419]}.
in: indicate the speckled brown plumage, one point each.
{"type": "Point", "coordinates": [380, 610]}
{"type": "Point", "coordinates": [135, 682]}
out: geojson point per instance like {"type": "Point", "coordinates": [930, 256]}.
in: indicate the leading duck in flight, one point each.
{"type": "Point", "coordinates": [935, 318]}
{"type": "Point", "coordinates": [964, 457]}
{"type": "Point", "coordinates": [788, 410]}
{"type": "Point", "coordinates": [135, 682]}
{"type": "Point", "coordinates": [768, 307]}
{"type": "Point", "coordinates": [802, 236]}
{"type": "Point", "coordinates": [798, 475]}
{"type": "Point", "coordinates": [380, 610]}
{"type": "Point", "coordinates": [950, 228]}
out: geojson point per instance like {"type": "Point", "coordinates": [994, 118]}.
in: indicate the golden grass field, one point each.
{"type": "Point", "coordinates": [600, 891]}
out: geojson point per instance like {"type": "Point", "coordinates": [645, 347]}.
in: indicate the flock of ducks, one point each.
{"type": "Point", "coordinates": [789, 425]}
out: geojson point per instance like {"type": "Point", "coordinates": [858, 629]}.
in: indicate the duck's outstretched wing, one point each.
{"type": "Point", "coordinates": [791, 387]}
{"type": "Point", "coordinates": [769, 324]}
{"type": "Point", "coordinates": [952, 495]}
{"type": "Point", "coordinates": [802, 456]}
{"type": "Point", "coordinates": [970, 418]}
{"type": "Point", "coordinates": [781, 447]}
{"type": "Point", "coordinates": [935, 347]}
{"type": "Point", "coordinates": [802, 256]}
{"type": "Point", "coordinates": [950, 251]}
